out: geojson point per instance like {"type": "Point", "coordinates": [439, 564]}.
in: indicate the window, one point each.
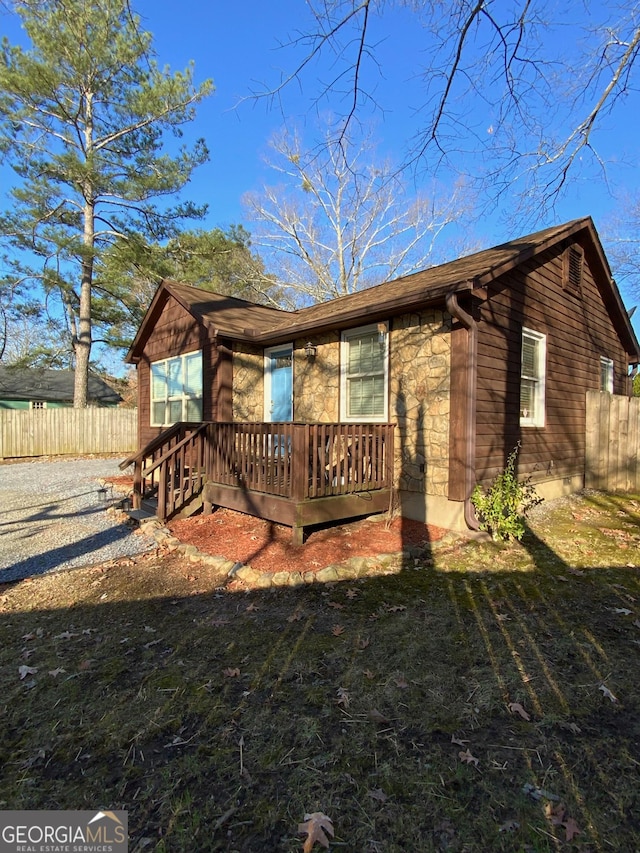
{"type": "Point", "coordinates": [38, 405]}
{"type": "Point", "coordinates": [606, 374]}
{"type": "Point", "coordinates": [364, 365]}
{"type": "Point", "coordinates": [532, 379]}
{"type": "Point", "coordinates": [176, 389]}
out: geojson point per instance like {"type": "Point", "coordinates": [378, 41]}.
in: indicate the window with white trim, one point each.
{"type": "Point", "coordinates": [364, 372]}
{"type": "Point", "coordinates": [532, 378]}
{"type": "Point", "coordinates": [37, 405]}
{"type": "Point", "coordinates": [606, 374]}
{"type": "Point", "coordinates": [176, 389]}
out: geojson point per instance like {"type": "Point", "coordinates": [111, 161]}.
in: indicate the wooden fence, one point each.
{"type": "Point", "coordinates": [63, 432]}
{"type": "Point", "coordinates": [612, 443]}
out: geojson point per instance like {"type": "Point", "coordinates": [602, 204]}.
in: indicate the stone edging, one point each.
{"type": "Point", "coordinates": [352, 569]}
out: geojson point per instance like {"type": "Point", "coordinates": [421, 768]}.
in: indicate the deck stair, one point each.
{"type": "Point", "coordinates": [169, 473]}
{"type": "Point", "coordinates": [297, 474]}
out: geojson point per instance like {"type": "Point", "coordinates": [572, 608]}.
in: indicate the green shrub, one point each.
{"type": "Point", "coordinates": [503, 507]}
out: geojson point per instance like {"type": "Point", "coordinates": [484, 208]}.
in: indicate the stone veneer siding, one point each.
{"type": "Point", "coordinates": [316, 384]}
{"type": "Point", "coordinates": [248, 383]}
{"type": "Point", "coordinates": [419, 400]}
{"type": "Point", "coordinates": [419, 393]}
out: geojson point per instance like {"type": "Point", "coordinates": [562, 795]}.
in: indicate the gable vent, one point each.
{"type": "Point", "coordinates": [573, 264]}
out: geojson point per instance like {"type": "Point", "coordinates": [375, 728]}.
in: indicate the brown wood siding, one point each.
{"type": "Point", "coordinates": [578, 331]}
{"type": "Point", "coordinates": [176, 332]}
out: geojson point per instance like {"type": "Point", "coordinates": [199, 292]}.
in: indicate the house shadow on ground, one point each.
{"type": "Point", "coordinates": [455, 705]}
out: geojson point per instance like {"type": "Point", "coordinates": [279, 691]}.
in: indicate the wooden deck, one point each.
{"type": "Point", "coordinates": [294, 474]}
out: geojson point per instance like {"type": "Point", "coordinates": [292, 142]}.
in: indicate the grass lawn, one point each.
{"type": "Point", "coordinates": [483, 698]}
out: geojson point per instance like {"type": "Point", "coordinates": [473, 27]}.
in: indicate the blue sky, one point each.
{"type": "Point", "coordinates": [238, 45]}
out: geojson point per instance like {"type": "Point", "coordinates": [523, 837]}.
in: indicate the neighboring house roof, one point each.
{"type": "Point", "coordinates": [17, 383]}
{"type": "Point", "coordinates": [242, 320]}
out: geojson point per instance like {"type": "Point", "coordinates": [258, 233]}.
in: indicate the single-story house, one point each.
{"type": "Point", "coordinates": [415, 389]}
{"type": "Point", "coordinates": [41, 388]}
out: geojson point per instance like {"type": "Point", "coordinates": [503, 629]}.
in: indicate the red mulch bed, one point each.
{"type": "Point", "coordinates": [267, 546]}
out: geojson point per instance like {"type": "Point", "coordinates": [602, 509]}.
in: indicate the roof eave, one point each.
{"type": "Point", "coordinates": [343, 319]}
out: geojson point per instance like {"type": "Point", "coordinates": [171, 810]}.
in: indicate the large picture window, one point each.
{"type": "Point", "coordinates": [532, 379]}
{"type": "Point", "coordinates": [176, 389]}
{"type": "Point", "coordinates": [364, 368]}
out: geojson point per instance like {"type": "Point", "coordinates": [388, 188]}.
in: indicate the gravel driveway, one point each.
{"type": "Point", "coordinates": [51, 518]}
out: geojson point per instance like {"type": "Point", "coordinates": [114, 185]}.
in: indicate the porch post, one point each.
{"type": "Point", "coordinates": [299, 474]}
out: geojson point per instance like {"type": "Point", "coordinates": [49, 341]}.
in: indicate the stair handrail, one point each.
{"type": "Point", "coordinates": [169, 453]}
{"type": "Point", "coordinates": [154, 444]}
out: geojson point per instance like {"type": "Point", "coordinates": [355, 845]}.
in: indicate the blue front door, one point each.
{"type": "Point", "coordinates": [279, 385]}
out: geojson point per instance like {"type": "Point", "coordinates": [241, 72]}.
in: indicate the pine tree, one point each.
{"type": "Point", "coordinates": [85, 112]}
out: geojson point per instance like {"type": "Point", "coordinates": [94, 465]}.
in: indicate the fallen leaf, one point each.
{"type": "Point", "coordinates": [378, 794]}
{"type": "Point", "coordinates": [621, 611]}
{"type": "Point", "coordinates": [509, 826]}
{"type": "Point", "coordinates": [316, 825]}
{"type": "Point", "coordinates": [368, 674]}
{"type": "Point", "coordinates": [337, 630]}
{"type": "Point", "coordinates": [336, 605]}
{"type": "Point", "coordinates": [571, 829]}
{"type": "Point", "coordinates": [295, 617]}
{"type": "Point", "coordinates": [149, 629]}
{"type": "Point", "coordinates": [219, 623]}
{"type": "Point", "coordinates": [555, 813]}
{"type": "Point", "coordinates": [572, 727]}
{"type": "Point", "coordinates": [343, 697]}
{"type": "Point", "coordinates": [516, 708]}
{"type": "Point", "coordinates": [394, 608]}
{"type": "Point", "coordinates": [352, 593]}
{"type": "Point", "coordinates": [607, 693]}
{"type": "Point", "coordinates": [467, 758]}
{"type": "Point", "coordinates": [57, 671]}
{"type": "Point", "coordinates": [65, 635]}
{"type": "Point", "coordinates": [401, 682]}
{"type": "Point", "coordinates": [24, 671]}
{"type": "Point", "coordinates": [251, 608]}
{"type": "Point", "coordinates": [363, 642]}
{"type": "Point", "coordinates": [458, 741]}
{"type": "Point", "coordinates": [377, 717]}
{"type": "Point", "coordinates": [231, 672]}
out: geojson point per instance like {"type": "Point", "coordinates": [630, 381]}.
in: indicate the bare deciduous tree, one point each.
{"type": "Point", "coordinates": [337, 223]}
{"type": "Point", "coordinates": [522, 86]}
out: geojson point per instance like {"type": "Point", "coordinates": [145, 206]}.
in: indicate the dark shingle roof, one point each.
{"type": "Point", "coordinates": [242, 320]}
{"type": "Point", "coordinates": [17, 383]}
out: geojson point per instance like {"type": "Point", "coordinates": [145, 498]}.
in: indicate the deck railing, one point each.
{"type": "Point", "coordinates": [300, 461]}
{"type": "Point", "coordinates": [289, 460]}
